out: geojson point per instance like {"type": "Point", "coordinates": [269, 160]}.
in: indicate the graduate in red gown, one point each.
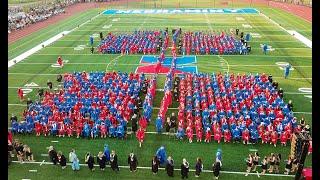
{"type": "Point", "coordinates": [143, 123]}
{"type": "Point", "coordinates": [69, 130]}
{"type": "Point", "coordinates": [227, 136]}
{"type": "Point", "coordinates": [274, 138]}
{"type": "Point", "coordinates": [20, 94]}
{"type": "Point", "coordinates": [208, 136]}
{"type": "Point", "coordinates": [61, 129]}
{"type": "Point", "coordinates": [199, 134]}
{"type": "Point", "coordinates": [140, 136]}
{"type": "Point", "coordinates": [60, 61]}
{"type": "Point", "coordinates": [283, 138]}
{"type": "Point", "coordinates": [189, 133]}
{"type": "Point", "coordinates": [245, 136]}
{"type": "Point", "coordinates": [217, 135]}
{"type": "Point", "coordinates": [103, 131]}
{"type": "Point", "coordinates": [265, 137]}
{"type": "Point", "coordinates": [38, 128]}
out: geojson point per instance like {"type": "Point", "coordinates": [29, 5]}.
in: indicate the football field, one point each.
{"type": "Point", "coordinates": [75, 50]}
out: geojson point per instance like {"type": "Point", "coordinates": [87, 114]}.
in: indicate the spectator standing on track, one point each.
{"type": "Point", "coordinates": [53, 155]}
{"type": "Point", "coordinates": [62, 160]}
{"type": "Point", "coordinates": [155, 165]}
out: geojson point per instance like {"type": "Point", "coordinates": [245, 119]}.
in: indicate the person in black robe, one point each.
{"type": "Point", "coordinates": [101, 160]}
{"type": "Point", "coordinates": [290, 105]}
{"type": "Point", "coordinates": [114, 161]}
{"type": "Point", "coordinates": [29, 102]}
{"type": "Point", "coordinates": [173, 120]}
{"type": "Point", "coordinates": [184, 169]}
{"type": "Point", "coordinates": [280, 93]}
{"type": "Point", "coordinates": [62, 160]}
{"type": "Point", "coordinates": [53, 155]}
{"type": "Point", "coordinates": [49, 84]}
{"type": "Point", "coordinates": [155, 165]}
{"type": "Point", "coordinates": [199, 167]}
{"type": "Point", "coordinates": [134, 121]}
{"type": "Point", "coordinates": [133, 162]}
{"type": "Point", "coordinates": [170, 166]}
{"type": "Point", "coordinates": [176, 94]}
{"type": "Point", "coordinates": [59, 78]}
{"type": "Point", "coordinates": [90, 161]}
{"type": "Point", "coordinates": [216, 167]}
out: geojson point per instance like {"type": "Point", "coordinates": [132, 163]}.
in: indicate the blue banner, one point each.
{"type": "Point", "coordinates": [183, 11]}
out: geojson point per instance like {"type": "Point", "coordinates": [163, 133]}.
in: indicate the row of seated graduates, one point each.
{"type": "Point", "coordinates": [243, 40]}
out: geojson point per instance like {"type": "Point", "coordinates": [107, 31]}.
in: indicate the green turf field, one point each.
{"type": "Point", "coordinates": [37, 68]}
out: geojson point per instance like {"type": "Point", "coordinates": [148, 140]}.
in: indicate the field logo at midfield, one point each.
{"type": "Point", "coordinates": [184, 11]}
{"type": "Point", "coordinates": [95, 35]}
{"type": "Point", "coordinates": [255, 35]}
{"type": "Point", "coordinates": [246, 26]}
{"type": "Point", "coordinates": [56, 65]}
{"type": "Point", "coordinates": [283, 64]}
{"type": "Point", "coordinates": [308, 91]}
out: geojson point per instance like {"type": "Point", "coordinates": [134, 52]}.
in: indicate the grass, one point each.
{"type": "Point", "coordinates": [37, 68]}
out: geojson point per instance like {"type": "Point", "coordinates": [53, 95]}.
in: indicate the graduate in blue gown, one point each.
{"type": "Point", "coordinates": [161, 155]}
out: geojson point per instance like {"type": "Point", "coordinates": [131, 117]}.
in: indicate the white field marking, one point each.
{"type": "Point", "coordinates": [225, 62]}
{"type": "Point", "coordinates": [253, 150]}
{"type": "Point", "coordinates": [32, 74]}
{"type": "Point", "coordinates": [282, 65]}
{"type": "Point", "coordinates": [45, 155]}
{"type": "Point", "coordinates": [297, 35]}
{"type": "Point", "coordinates": [255, 35]}
{"type": "Point", "coordinates": [115, 19]}
{"type": "Point", "coordinates": [192, 170]}
{"type": "Point", "coordinates": [160, 90]}
{"type": "Point", "coordinates": [208, 22]}
{"type": "Point", "coordinates": [33, 170]}
{"type": "Point", "coordinates": [296, 93]}
{"type": "Point", "coordinates": [36, 48]}
{"type": "Point", "coordinates": [46, 43]}
{"type": "Point", "coordinates": [272, 56]}
{"type": "Point", "coordinates": [24, 105]}
{"type": "Point", "coordinates": [239, 18]}
{"type": "Point", "coordinates": [95, 35]}
{"type": "Point", "coordinates": [32, 84]}
{"type": "Point", "coordinates": [84, 63]}
{"type": "Point", "coordinates": [305, 90]}
{"type": "Point", "coordinates": [42, 162]}
{"type": "Point", "coordinates": [295, 78]}
{"type": "Point", "coordinates": [55, 141]}
{"type": "Point", "coordinates": [26, 90]}
{"type": "Point", "coordinates": [247, 26]}
{"type": "Point", "coordinates": [107, 26]}
{"type": "Point", "coordinates": [25, 179]}
{"type": "Point", "coordinates": [13, 87]}
{"type": "Point", "coordinates": [115, 59]}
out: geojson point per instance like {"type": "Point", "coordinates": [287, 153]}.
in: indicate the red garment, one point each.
{"type": "Point", "coordinates": [140, 135]}
{"type": "Point", "coordinates": [274, 138]}
{"type": "Point", "coordinates": [217, 135]}
{"type": "Point", "coordinates": [208, 136]}
{"type": "Point", "coordinates": [283, 137]}
{"type": "Point", "coordinates": [227, 136]}
{"type": "Point", "coordinates": [245, 135]}
{"type": "Point", "coordinates": [143, 123]}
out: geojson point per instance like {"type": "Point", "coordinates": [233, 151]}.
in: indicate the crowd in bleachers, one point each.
{"type": "Point", "coordinates": [18, 18]}
{"type": "Point", "coordinates": [89, 105]}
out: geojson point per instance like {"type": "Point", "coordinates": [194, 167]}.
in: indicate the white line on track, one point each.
{"type": "Point", "coordinates": [115, 59]}
{"type": "Point", "coordinates": [192, 170]}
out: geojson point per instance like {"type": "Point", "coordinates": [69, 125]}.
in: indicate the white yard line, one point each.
{"type": "Point", "coordinates": [226, 62]}
{"type": "Point", "coordinates": [297, 35]}
{"type": "Point", "coordinates": [115, 59]}
{"type": "Point", "coordinates": [192, 170]}
{"type": "Point", "coordinates": [46, 43]}
{"type": "Point", "coordinates": [36, 49]}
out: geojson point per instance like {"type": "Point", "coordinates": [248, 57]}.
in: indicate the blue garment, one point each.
{"type": "Point", "coordinates": [162, 155]}
{"type": "Point", "coordinates": [159, 125]}
{"type": "Point", "coordinates": [287, 70]}
{"type": "Point", "coordinates": [106, 152]}
{"type": "Point", "coordinates": [180, 133]}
